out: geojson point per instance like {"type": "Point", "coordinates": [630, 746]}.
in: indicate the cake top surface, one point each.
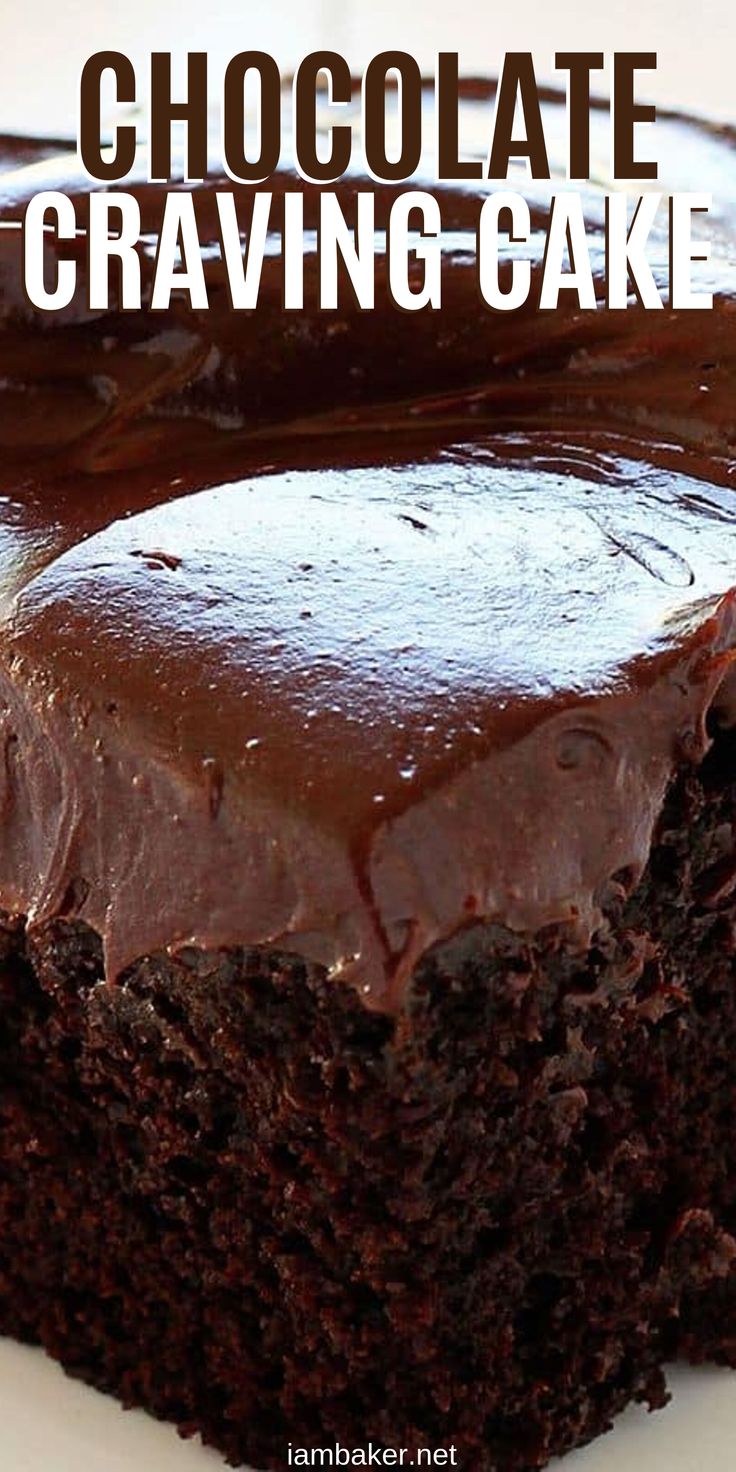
{"type": "Point", "coordinates": [413, 645]}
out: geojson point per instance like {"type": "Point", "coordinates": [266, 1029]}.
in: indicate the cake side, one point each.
{"type": "Point", "coordinates": [231, 1194]}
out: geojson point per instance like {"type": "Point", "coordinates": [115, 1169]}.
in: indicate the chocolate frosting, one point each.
{"type": "Point", "coordinates": [338, 633]}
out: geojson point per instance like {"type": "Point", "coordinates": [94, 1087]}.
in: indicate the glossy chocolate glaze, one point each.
{"type": "Point", "coordinates": [337, 634]}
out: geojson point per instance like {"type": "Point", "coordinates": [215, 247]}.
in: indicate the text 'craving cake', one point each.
{"type": "Point", "coordinates": [368, 862]}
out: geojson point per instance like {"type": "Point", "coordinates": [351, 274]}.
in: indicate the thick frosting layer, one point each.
{"type": "Point", "coordinates": [340, 664]}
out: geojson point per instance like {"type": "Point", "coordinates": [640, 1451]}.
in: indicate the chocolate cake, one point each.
{"type": "Point", "coordinates": [368, 860]}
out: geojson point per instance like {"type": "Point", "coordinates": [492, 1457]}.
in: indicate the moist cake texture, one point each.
{"type": "Point", "coordinates": [368, 870]}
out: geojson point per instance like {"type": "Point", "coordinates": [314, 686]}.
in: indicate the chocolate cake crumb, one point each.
{"type": "Point", "coordinates": [230, 1194]}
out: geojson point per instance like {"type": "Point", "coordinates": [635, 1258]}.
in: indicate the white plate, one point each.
{"type": "Point", "coordinates": [49, 1423]}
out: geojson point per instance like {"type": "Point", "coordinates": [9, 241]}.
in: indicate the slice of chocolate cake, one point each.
{"type": "Point", "coordinates": [368, 862]}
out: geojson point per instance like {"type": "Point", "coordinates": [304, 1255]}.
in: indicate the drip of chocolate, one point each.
{"type": "Point", "coordinates": [339, 632]}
